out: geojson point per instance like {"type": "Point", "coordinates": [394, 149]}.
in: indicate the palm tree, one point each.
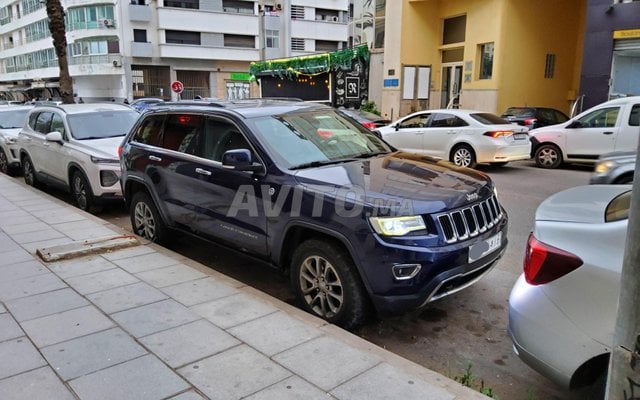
{"type": "Point", "coordinates": [55, 12]}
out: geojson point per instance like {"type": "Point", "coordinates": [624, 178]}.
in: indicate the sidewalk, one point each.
{"type": "Point", "coordinates": [146, 323]}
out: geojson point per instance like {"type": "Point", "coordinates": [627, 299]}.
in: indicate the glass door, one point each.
{"type": "Point", "coordinates": [451, 85]}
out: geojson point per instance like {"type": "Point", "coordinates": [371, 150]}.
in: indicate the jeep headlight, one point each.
{"type": "Point", "coordinates": [397, 226]}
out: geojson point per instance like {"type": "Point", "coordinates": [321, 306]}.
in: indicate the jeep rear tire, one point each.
{"type": "Point", "coordinates": [327, 284]}
{"type": "Point", "coordinates": [145, 218]}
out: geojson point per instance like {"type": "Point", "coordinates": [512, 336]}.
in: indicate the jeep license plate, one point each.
{"type": "Point", "coordinates": [481, 249]}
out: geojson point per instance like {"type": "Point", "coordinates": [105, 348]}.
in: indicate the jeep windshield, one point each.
{"type": "Point", "coordinates": [101, 124]}
{"type": "Point", "coordinates": [309, 139]}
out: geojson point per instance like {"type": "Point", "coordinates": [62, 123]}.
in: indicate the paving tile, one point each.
{"type": "Point", "coordinates": [92, 233]}
{"type": "Point", "coordinates": [188, 396]}
{"type": "Point", "coordinates": [126, 297]}
{"type": "Point", "coordinates": [2, 309]}
{"type": "Point", "coordinates": [333, 362]}
{"type": "Point", "coordinates": [274, 333]}
{"type": "Point", "coordinates": [38, 236]}
{"type": "Point", "coordinates": [100, 281]}
{"type": "Point", "coordinates": [58, 216]}
{"type": "Point", "coordinates": [91, 353]}
{"type": "Point", "coordinates": [41, 383]}
{"type": "Point", "coordinates": [386, 382]}
{"type": "Point", "coordinates": [48, 303]}
{"type": "Point", "coordinates": [22, 228]}
{"type": "Point", "coordinates": [293, 388]}
{"type": "Point", "coordinates": [7, 243]}
{"type": "Point", "coordinates": [9, 328]}
{"type": "Point", "coordinates": [32, 206]}
{"type": "Point", "coordinates": [188, 343]}
{"type": "Point", "coordinates": [14, 256]}
{"type": "Point", "coordinates": [18, 355]}
{"type": "Point", "coordinates": [73, 226]}
{"type": "Point", "coordinates": [83, 266]}
{"type": "Point", "coordinates": [34, 246]}
{"type": "Point", "coordinates": [26, 219]}
{"type": "Point", "coordinates": [21, 270]}
{"type": "Point", "coordinates": [234, 374]}
{"type": "Point", "coordinates": [30, 286]}
{"type": "Point", "coordinates": [66, 325]}
{"type": "Point", "coordinates": [233, 310]}
{"type": "Point", "coordinates": [145, 262]}
{"type": "Point", "coordinates": [141, 379]}
{"type": "Point", "coordinates": [128, 252]}
{"type": "Point", "coordinates": [156, 317]}
{"type": "Point", "coordinates": [171, 275]}
{"type": "Point", "coordinates": [199, 291]}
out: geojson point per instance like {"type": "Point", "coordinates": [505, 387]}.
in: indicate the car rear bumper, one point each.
{"type": "Point", "coordinates": [544, 338]}
{"type": "Point", "coordinates": [506, 153]}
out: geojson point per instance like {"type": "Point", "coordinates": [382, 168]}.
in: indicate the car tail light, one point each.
{"type": "Point", "coordinates": [544, 263]}
{"type": "Point", "coordinates": [369, 125]}
{"type": "Point", "coordinates": [497, 134]}
{"type": "Point", "coordinates": [530, 121]}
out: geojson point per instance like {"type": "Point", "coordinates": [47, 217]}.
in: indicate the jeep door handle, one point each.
{"type": "Point", "coordinates": [154, 158]}
{"type": "Point", "coordinates": [203, 172]}
{"type": "Point", "coordinates": [607, 133]}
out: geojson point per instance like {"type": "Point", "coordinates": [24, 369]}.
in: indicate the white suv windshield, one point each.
{"type": "Point", "coordinates": [101, 124]}
{"type": "Point", "coordinates": [306, 139]}
{"type": "Point", "coordinates": [12, 119]}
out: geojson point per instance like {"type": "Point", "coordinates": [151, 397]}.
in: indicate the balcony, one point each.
{"type": "Point", "coordinates": [140, 13]}
{"type": "Point", "coordinates": [169, 50]}
{"type": "Point", "coordinates": [141, 49]}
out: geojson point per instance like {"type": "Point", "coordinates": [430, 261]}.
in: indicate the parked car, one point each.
{"type": "Point", "coordinates": [367, 119]}
{"type": "Point", "coordinates": [607, 127]}
{"type": "Point", "coordinates": [11, 121]}
{"type": "Point", "coordinates": [534, 117]}
{"type": "Point", "coordinates": [74, 147]}
{"type": "Point", "coordinates": [144, 103]}
{"type": "Point", "coordinates": [465, 137]}
{"type": "Point", "coordinates": [616, 168]}
{"type": "Point", "coordinates": [354, 223]}
{"type": "Point", "coordinates": [562, 309]}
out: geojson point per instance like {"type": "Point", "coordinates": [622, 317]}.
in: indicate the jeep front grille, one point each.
{"type": "Point", "coordinates": [470, 221]}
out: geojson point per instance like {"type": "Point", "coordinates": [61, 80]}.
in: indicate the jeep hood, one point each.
{"type": "Point", "coordinates": [427, 184]}
{"type": "Point", "coordinates": [106, 148]}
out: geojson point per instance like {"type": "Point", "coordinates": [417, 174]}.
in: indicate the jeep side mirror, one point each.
{"type": "Point", "coordinates": [54, 136]}
{"type": "Point", "coordinates": [239, 160]}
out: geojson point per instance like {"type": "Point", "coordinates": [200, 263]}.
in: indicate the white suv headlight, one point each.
{"type": "Point", "coordinates": [397, 226]}
{"type": "Point", "coordinates": [100, 160]}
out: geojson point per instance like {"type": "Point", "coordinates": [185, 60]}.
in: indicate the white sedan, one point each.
{"type": "Point", "coordinates": [464, 137]}
{"type": "Point", "coordinates": [562, 310]}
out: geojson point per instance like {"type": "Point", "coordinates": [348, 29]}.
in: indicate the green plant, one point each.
{"type": "Point", "coordinates": [370, 106]}
{"type": "Point", "coordinates": [469, 380]}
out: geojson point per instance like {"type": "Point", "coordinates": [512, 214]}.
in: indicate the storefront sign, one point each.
{"type": "Point", "coordinates": [627, 34]}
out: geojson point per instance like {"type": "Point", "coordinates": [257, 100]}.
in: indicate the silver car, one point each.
{"type": "Point", "coordinates": [11, 121]}
{"type": "Point", "coordinates": [562, 309]}
{"type": "Point", "coordinates": [614, 168]}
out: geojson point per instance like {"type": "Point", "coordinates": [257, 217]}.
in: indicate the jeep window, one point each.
{"type": "Point", "coordinates": [179, 130]}
{"type": "Point", "coordinates": [43, 123]}
{"type": "Point", "coordinates": [150, 131]}
{"type": "Point", "coordinates": [12, 119]}
{"type": "Point", "coordinates": [101, 124]}
{"type": "Point", "coordinates": [301, 139]}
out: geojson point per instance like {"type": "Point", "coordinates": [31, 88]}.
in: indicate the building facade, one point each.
{"type": "Point", "coordinates": [127, 50]}
{"type": "Point", "coordinates": [480, 54]}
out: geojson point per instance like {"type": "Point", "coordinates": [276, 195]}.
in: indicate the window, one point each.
{"type": "Point", "coordinates": [149, 131]}
{"type": "Point", "coordinates": [43, 123]}
{"type": "Point", "coordinates": [419, 121]}
{"type": "Point", "coordinates": [272, 39]}
{"type": "Point", "coordinates": [37, 31]}
{"type": "Point", "coordinates": [486, 61]}
{"type": "Point", "coordinates": [29, 6]}
{"type": "Point", "coordinates": [57, 125]}
{"type": "Point", "coordinates": [454, 30]}
{"type": "Point", "coordinates": [182, 37]}
{"type": "Point", "coordinates": [446, 121]}
{"type": "Point", "coordinates": [244, 41]}
{"type": "Point", "coordinates": [297, 12]}
{"type": "Point", "coordinates": [326, 45]}
{"type": "Point", "coordinates": [91, 17]}
{"type": "Point", "coordinates": [634, 117]}
{"type": "Point", "coordinates": [235, 6]}
{"type": "Point", "coordinates": [140, 35]}
{"type": "Point", "coordinates": [549, 66]}
{"type": "Point", "coordinates": [603, 118]}
{"type": "Point", "coordinates": [193, 4]}
{"type": "Point", "coordinates": [297, 44]}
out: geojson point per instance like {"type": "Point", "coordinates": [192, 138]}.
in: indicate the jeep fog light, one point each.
{"type": "Point", "coordinates": [108, 178]}
{"type": "Point", "coordinates": [397, 226]}
{"type": "Point", "coordinates": [403, 272]}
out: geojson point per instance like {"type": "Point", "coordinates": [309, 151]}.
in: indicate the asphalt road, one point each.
{"type": "Point", "coordinates": [458, 335]}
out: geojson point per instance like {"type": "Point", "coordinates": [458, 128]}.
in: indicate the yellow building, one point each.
{"type": "Point", "coordinates": [480, 54]}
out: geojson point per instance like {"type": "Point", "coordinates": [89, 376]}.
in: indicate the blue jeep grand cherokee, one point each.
{"type": "Point", "coordinates": [357, 225]}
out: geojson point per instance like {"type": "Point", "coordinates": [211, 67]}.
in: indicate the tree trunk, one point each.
{"type": "Point", "coordinates": [55, 12]}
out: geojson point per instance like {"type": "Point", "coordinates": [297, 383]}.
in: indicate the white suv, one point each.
{"type": "Point", "coordinates": [611, 126]}
{"type": "Point", "coordinates": [75, 147]}
{"type": "Point", "coordinates": [12, 119]}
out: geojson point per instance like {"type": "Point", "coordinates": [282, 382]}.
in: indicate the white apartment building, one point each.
{"type": "Point", "coordinates": [136, 48]}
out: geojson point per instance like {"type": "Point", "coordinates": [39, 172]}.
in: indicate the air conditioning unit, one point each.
{"type": "Point", "coordinates": [334, 19]}
{"type": "Point", "coordinates": [108, 23]}
{"type": "Point", "coordinates": [278, 7]}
